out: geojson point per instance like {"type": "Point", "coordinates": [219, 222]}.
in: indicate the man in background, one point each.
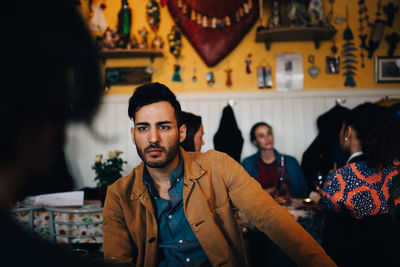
{"type": "Point", "coordinates": [49, 77]}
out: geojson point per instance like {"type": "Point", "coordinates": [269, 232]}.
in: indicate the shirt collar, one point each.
{"type": "Point", "coordinates": [176, 173]}
{"type": "Point", "coordinates": [355, 154]}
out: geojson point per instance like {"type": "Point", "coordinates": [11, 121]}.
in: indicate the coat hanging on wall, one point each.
{"type": "Point", "coordinates": [214, 27]}
{"type": "Point", "coordinates": [229, 138]}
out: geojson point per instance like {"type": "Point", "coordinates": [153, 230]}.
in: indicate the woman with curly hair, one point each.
{"type": "Point", "coordinates": [356, 197]}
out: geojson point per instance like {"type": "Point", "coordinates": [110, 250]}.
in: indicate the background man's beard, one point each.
{"type": "Point", "coordinates": [169, 157]}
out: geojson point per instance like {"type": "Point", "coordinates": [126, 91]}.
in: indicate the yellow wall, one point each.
{"type": "Point", "coordinates": [242, 81]}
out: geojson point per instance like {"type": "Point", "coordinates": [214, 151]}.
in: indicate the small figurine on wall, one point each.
{"type": "Point", "coordinates": [143, 34]}
{"type": "Point", "coordinates": [248, 62]}
{"type": "Point", "coordinates": [316, 12]}
{"type": "Point", "coordinates": [133, 42]}
{"type": "Point", "coordinates": [157, 43]}
{"type": "Point", "coordinates": [108, 39]}
{"type": "Point", "coordinates": [297, 14]}
{"type": "Point", "coordinates": [274, 20]}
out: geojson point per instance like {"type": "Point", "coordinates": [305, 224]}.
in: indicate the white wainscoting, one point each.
{"type": "Point", "coordinates": [293, 116]}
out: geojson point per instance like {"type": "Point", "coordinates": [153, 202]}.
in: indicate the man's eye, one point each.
{"type": "Point", "coordinates": [142, 128]}
{"type": "Point", "coordinates": [164, 127]}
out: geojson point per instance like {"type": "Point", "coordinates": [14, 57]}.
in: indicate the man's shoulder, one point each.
{"type": "Point", "coordinates": [126, 182]}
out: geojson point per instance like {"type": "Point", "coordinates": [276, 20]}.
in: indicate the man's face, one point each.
{"type": "Point", "coordinates": [156, 135]}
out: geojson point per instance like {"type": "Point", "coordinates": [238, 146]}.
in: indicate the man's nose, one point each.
{"type": "Point", "coordinates": [154, 136]}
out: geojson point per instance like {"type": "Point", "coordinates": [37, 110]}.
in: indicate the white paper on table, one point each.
{"type": "Point", "coordinates": [65, 199]}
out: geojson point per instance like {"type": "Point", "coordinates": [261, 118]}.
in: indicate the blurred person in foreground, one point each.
{"type": "Point", "coordinates": [49, 77]}
{"type": "Point", "coordinates": [194, 132]}
{"type": "Point", "coordinates": [174, 209]}
{"type": "Point", "coordinates": [360, 193]}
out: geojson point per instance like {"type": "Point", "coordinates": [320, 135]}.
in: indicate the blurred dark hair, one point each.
{"type": "Point", "coordinates": [254, 128]}
{"type": "Point", "coordinates": [151, 93]}
{"type": "Point", "coordinates": [192, 123]}
{"type": "Point", "coordinates": [378, 131]}
{"type": "Point", "coordinates": [49, 71]}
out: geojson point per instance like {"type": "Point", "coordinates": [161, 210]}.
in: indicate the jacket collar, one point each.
{"type": "Point", "coordinates": [277, 156]}
{"type": "Point", "coordinates": [192, 172]}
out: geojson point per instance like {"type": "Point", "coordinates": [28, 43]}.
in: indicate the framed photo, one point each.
{"type": "Point", "coordinates": [387, 69]}
{"type": "Point", "coordinates": [289, 72]}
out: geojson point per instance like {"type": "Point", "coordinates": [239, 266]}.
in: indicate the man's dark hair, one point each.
{"type": "Point", "coordinates": [378, 131]}
{"type": "Point", "coordinates": [254, 128]}
{"type": "Point", "coordinates": [151, 93]}
{"type": "Point", "coordinates": [192, 123]}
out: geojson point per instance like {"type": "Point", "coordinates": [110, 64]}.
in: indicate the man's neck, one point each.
{"type": "Point", "coordinates": [267, 155]}
{"type": "Point", "coordinates": [160, 176]}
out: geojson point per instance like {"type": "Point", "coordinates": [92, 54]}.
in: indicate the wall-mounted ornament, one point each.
{"type": "Point", "coordinates": [347, 52]}
{"type": "Point", "coordinates": [264, 75]}
{"type": "Point", "coordinates": [390, 11]}
{"type": "Point", "coordinates": [214, 27]}
{"type": "Point", "coordinates": [392, 39]}
{"type": "Point", "coordinates": [297, 14]}
{"type": "Point", "coordinates": [376, 33]}
{"type": "Point", "coordinates": [333, 62]}
{"type": "Point", "coordinates": [228, 72]}
{"type": "Point", "coordinates": [339, 20]}
{"type": "Point", "coordinates": [312, 70]}
{"type": "Point", "coordinates": [194, 77]}
{"type": "Point", "coordinates": [153, 19]}
{"type": "Point", "coordinates": [329, 16]}
{"type": "Point", "coordinates": [275, 20]}
{"type": "Point", "coordinates": [248, 61]}
{"type": "Point", "coordinates": [210, 78]}
{"type": "Point", "coordinates": [144, 44]}
{"type": "Point", "coordinates": [175, 45]}
{"type": "Point", "coordinates": [316, 13]}
{"type": "Point", "coordinates": [98, 22]}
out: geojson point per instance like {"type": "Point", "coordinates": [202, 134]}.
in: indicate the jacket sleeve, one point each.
{"type": "Point", "coordinates": [118, 246]}
{"type": "Point", "coordinates": [269, 217]}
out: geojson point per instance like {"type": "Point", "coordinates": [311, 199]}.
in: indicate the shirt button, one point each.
{"type": "Point", "coordinates": [187, 259]}
{"type": "Point", "coordinates": [170, 216]}
{"type": "Point", "coordinates": [180, 241]}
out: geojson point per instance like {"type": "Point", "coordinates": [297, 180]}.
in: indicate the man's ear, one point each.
{"type": "Point", "coordinates": [182, 133]}
{"type": "Point", "coordinates": [133, 135]}
{"type": "Point", "coordinates": [348, 132]}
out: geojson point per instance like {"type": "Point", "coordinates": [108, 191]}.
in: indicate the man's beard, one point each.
{"type": "Point", "coordinates": [170, 154]}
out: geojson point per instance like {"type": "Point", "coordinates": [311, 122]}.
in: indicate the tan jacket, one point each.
{"type": "Point", "coordinates": [210, 180]}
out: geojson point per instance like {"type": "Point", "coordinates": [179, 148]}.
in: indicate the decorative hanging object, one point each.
{"type": "Point", "coordinates": [153, 19]}
{"type": "Point", "coordinates": [275, 20]}
{"type": "Point", "coordinates": [348, 47]}
{"type": "Point", "coordinates": [228, 72]}
{"type": "Point", "coordinates": [392, 39]}
{"type": "Point", "coordinates": [248, 62]}
{"type": "Point", "coordinates": [264, 75]}
{"type": "Point", "coordinates": [124, 24]}
{"type": "Point", "coordinates": [390, 11]}
{"type": "Point", "coordinates": [333, 62]}
{"type": "Point", "coordinates": [363, 16]}
{"type": "Point", "coordinates": [329, 16]}
{"type": "Point", "coordinates": [98, 22]}
{"type": "Point", "coordinates": [214, 27]}
{"type": "Point", "coordinates": [149, 69]}
{"type": "Point", "coordinates": [194, 77]}
{"type": "Point", "coordinates": [175, 45]}
{"type": "Point", "coordinates": [376, 33]}
{"type": "Point", "coordinates": [210, 78]}
{"type": "Point", "coordinates": [313, 70]}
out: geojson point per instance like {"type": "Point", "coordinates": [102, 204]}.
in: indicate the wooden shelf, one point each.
{"type": "Point", "coordinates": [316, 34]}
{"type": "Point", "coordinates": [130, 53]}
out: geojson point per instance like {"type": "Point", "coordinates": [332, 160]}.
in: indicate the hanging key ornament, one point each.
{"type": "Point", "coordinates": [228, 81]}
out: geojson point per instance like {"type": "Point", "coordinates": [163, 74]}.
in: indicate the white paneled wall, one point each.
{"type": "Point", "coordinates": [291, 114]}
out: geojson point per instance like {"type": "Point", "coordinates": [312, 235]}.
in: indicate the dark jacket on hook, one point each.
{"type": "Point", "coordinates": [228, 138]}
{"type": "Point", "coordinates": [325, 149]}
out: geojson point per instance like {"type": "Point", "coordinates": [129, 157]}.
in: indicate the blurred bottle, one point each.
{"type": "Point", "coordinates": [283, 184]}
{"type": "Point", "coordinates": [124, 23]}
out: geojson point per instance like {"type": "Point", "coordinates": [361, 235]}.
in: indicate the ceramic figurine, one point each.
{"type": "Point", "coordinates": [316, 12]}
{"type": "Point", "coordinates": [297, 14]}
{"type": "Point", "coordinates": [275, 20]}
{"type": "Point", "coordinates": [143, 34]}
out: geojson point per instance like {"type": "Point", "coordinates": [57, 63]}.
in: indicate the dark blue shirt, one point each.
{"type": "Point", "coordinates": [177, 245]}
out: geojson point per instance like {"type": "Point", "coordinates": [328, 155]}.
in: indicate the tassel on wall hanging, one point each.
{"type": "Point", "coordinates": [175, 45]}
{"type": "Point", "coordinates": [348, 53]}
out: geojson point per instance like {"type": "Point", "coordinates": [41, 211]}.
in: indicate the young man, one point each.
{"type": "Point", "coordinates": [175, 208]}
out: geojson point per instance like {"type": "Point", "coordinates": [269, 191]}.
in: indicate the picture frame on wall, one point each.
{"type": "Point", "coordinates": [387, 69]}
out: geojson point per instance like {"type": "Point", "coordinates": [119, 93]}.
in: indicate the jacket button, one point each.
{"type": "Point", "coordinates": [151, 240]}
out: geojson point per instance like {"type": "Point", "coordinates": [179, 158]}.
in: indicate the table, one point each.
{"type": "Point", "coordinates": [74, 224]}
